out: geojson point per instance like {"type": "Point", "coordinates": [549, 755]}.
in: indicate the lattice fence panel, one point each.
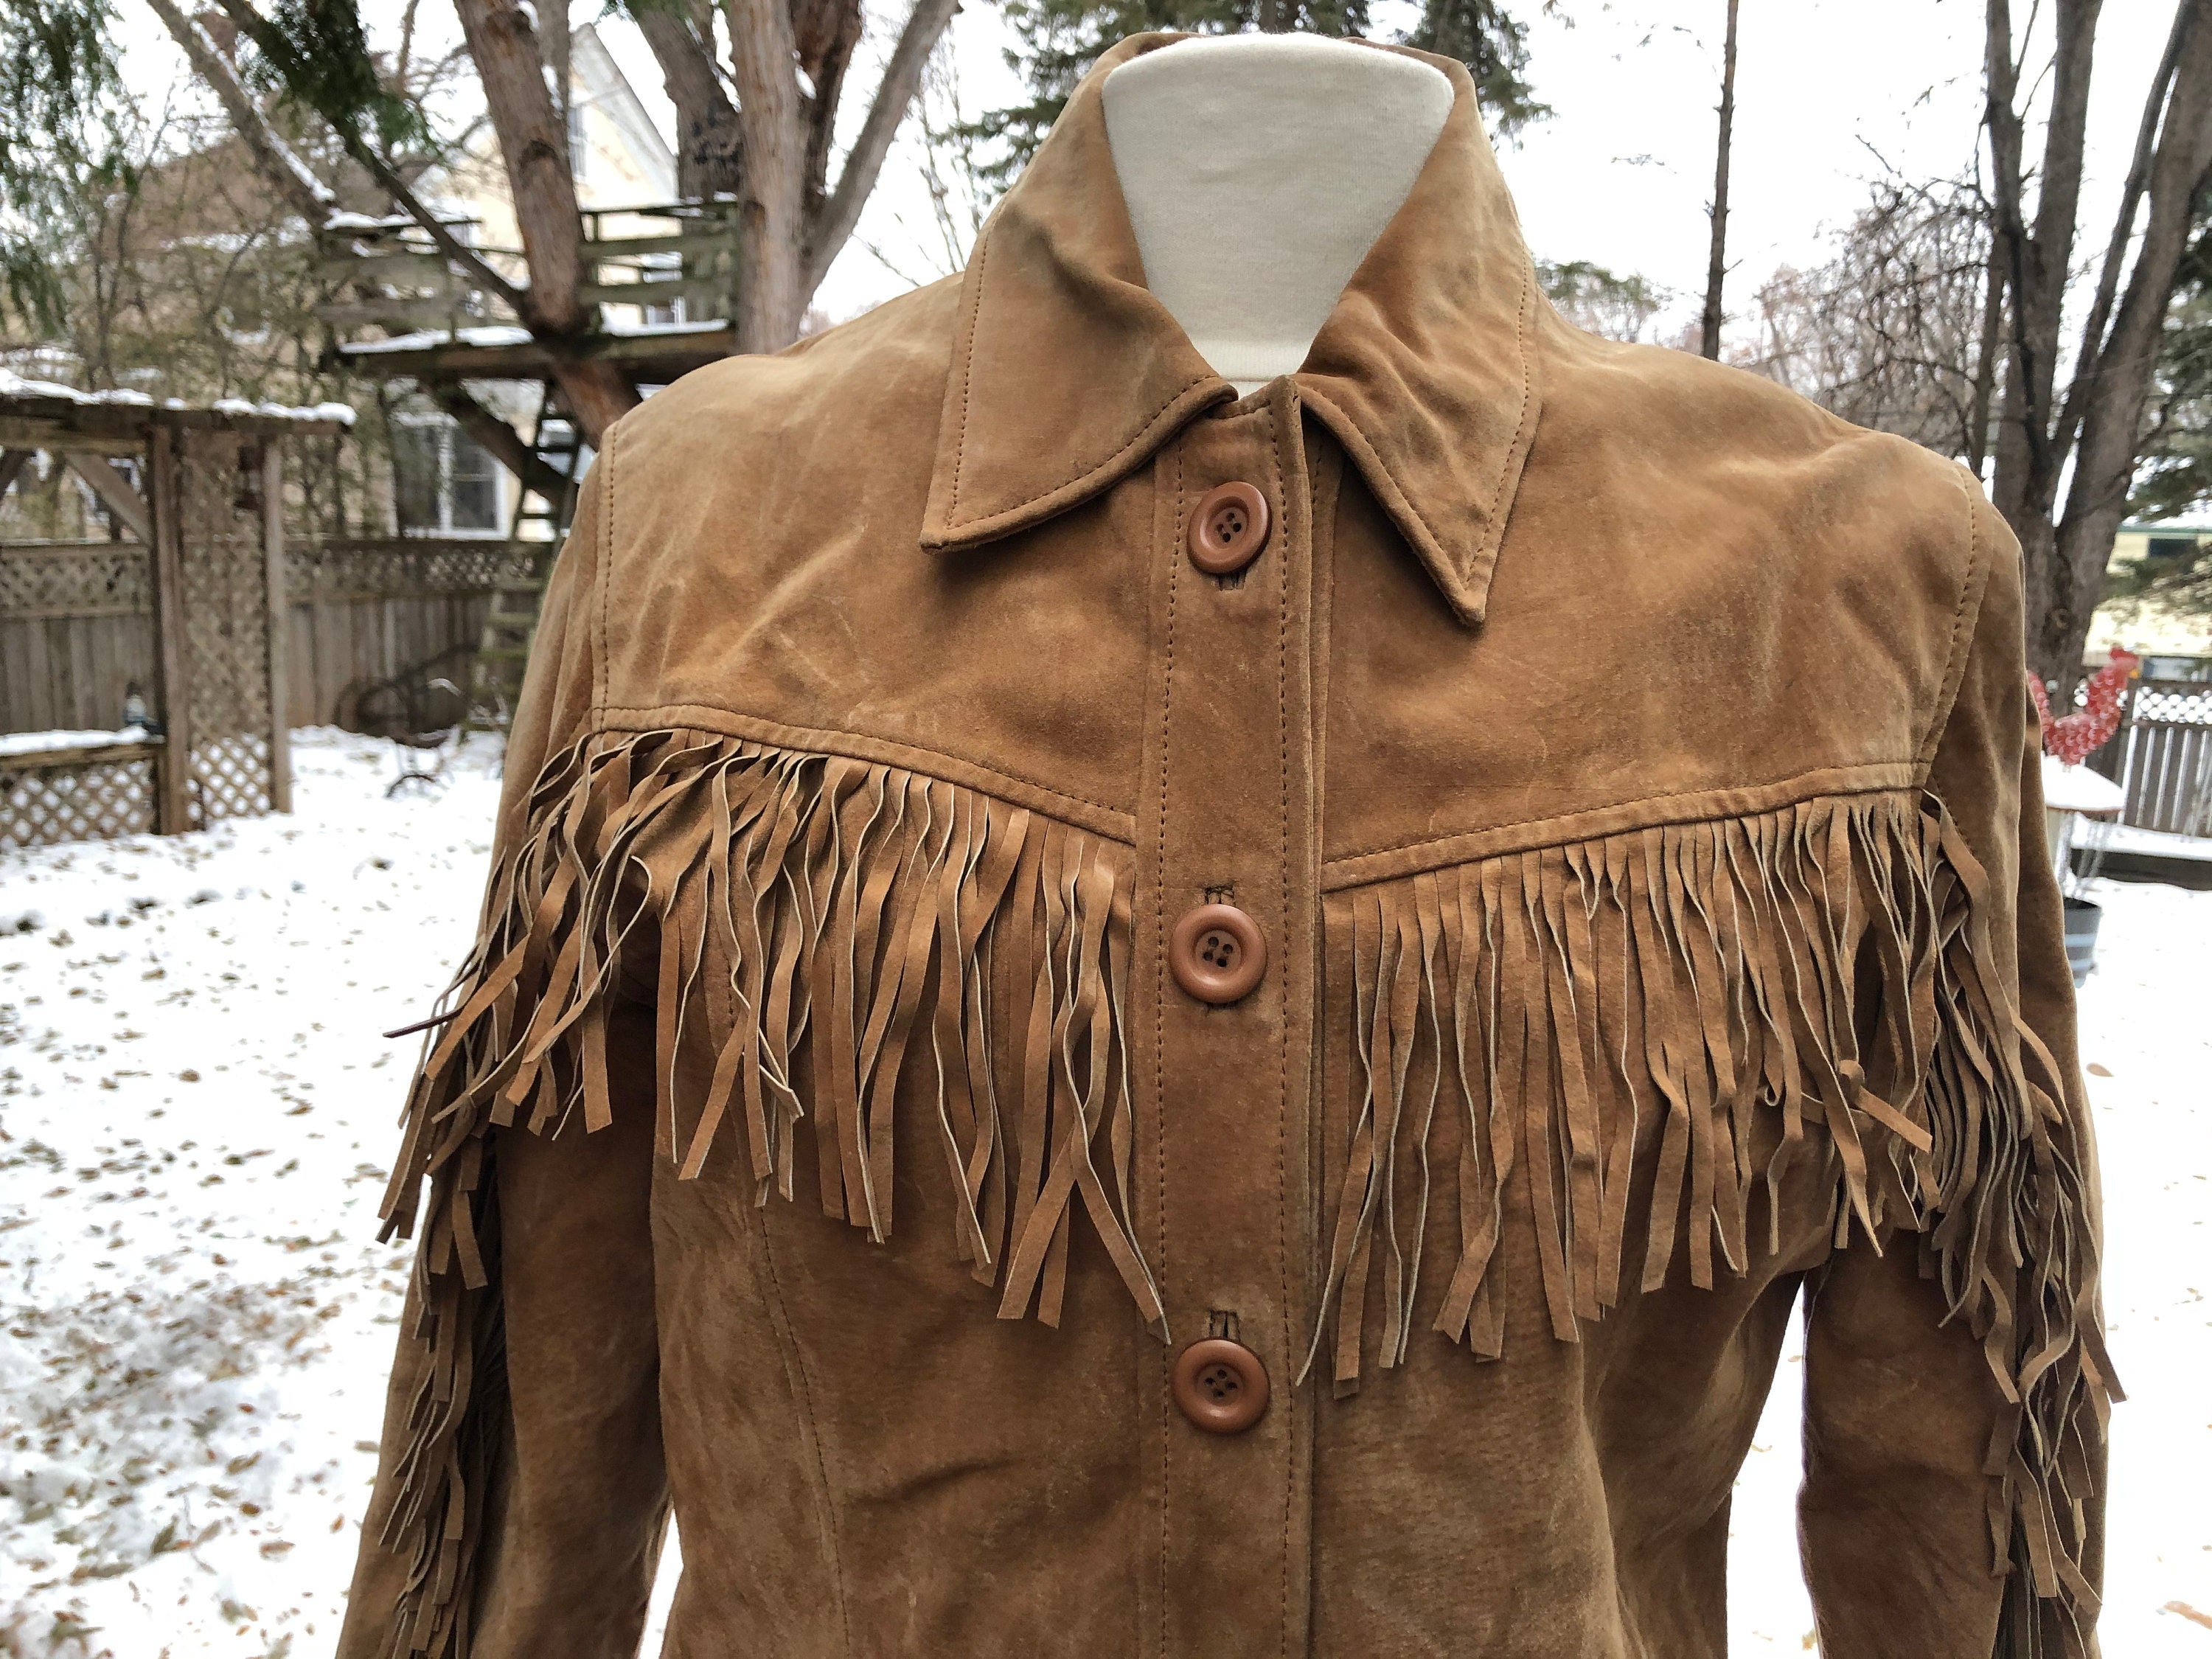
{"type": "Point", "coordinates": [407, 567]}
{"type": "Point", "coordinates": [79, 801]}
{"type": "Point", "coordinates": [2180, 702]}
{"type": "Point", "coordinates": [96, 579]}
{"type": "Point", "coordinates": [226, 613]}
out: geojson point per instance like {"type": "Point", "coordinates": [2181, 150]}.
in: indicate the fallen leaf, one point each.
{"type": "Point", "coordinates": [2096, 1070]}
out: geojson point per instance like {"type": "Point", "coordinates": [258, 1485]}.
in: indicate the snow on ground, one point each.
{"type": "Point", "coordinates": [196, 1117]}
{"type": "Point", "coordinates": [197, 1113]}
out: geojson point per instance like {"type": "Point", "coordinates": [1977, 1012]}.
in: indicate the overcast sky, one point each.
{"type": "Point", "coordinates": [1829, 92]}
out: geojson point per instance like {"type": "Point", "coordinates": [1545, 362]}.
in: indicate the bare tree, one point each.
{"type": "Point", "coordinates": [949, 155]}
{"type": "Point", "coordinates": [759, 123]}
{"type": "Point", "coordinates": [787, 61]}
{"type": "Point", "coordinates": [1891, 332]}
{"type": "Point", "coordinates": [1716, 262]}
{"type": "Point", "coordinates": [2066, 459]}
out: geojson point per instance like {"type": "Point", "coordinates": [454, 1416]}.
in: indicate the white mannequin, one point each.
{"type": "Point", "coordinates": [1258, 170]}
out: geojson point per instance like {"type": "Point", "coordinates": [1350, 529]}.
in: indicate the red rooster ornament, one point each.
{"type": "Point", "coordinates": [2070, 738]}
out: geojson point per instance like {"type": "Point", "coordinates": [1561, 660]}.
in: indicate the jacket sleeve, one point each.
{"type": "Point", "coordinates": [520, 1494]}
{"type": "Point", "coordinates": [1956, 1383]}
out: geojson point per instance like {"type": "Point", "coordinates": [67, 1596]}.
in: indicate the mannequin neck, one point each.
{"type": "Point", "coordinates": [1258, 170]}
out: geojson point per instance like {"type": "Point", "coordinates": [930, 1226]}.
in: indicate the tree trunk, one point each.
{"type": "Point", "coordinates": [2035, 264]}
{"type": "Point", "coordinates": [534, 145]}
{"type": "Point", "coordinates": [533, 142]}
{"type": "Point", "coordinates": [771, 297]}
{"type": "Point", "coordinates": [2089, 441]}
{"type": "Point", "coordinates": [1988, 350]}
{"type": "Point", "coordinates": [2119, 378]}
{"type": "Point", "coordinates": [1716, 266]}
{"type": "Point", "coordinates": [706, 121]}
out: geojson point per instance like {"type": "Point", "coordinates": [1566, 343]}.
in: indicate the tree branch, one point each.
{"type": "Point", "coordinates": [893, 96]}
{"type": "Point", "coordinates": [2119, 378]}
{"type": "Point", "coordinates": [534, 144]}
{"type": "Point", "coordinates": [2131, 194]}
{"type": "Point", "coordinates": [498, 439]}
{"type": "Point", "coordinates": [306, 195]}
{"type": "Point", "coordinates": [706, 119]}
{"type": "Point", "coordinates": [348, 135]}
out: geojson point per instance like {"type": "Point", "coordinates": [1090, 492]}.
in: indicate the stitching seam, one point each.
{"type": "Point", "coordinates": [812, 1430]}
{"type": "Point", "coordinates": [1614, 805]}
{"type": "Point", "coordinates": [1159, 1026]}
{"type": "Point", "coordinates": [642, 711]}
{"type": "Point", "coordinates": [1374, 460]}
{"type": "Point", "coordinates": [601, 673]}
{"type": "Point", "coordinates": [967, 379]}
{"type": "Point", "coordinates": [1282, 1050]}
{"type": "Point", "coordinates": [1954, 666]}
{"type": "Point", "coordinates": [953, 526]}
{"type": "Point", "coordinates": [1521, 421]}
{"type": "Point", "coordinates": [1494, 530]}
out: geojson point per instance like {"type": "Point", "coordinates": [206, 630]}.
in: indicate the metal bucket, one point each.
{"type": "Point", "coordinates": [2081, 920]}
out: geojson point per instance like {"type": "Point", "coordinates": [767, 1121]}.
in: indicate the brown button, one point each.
{"type": "Point", "coordinates": [1217, 952]}
{"type": "Point", "coordinates": [1228, 529]}
{"type": "Point", "coordinates": [1220, 1385]}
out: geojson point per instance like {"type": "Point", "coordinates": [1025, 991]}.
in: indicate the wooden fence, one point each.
{"type": "Point", "coordinates": [369, 610]}
{"type": "Point", "coordinates": [78, 628]}
{"type": "Point", "coordinates": [2161, 755]}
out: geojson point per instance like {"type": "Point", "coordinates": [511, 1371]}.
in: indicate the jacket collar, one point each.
{"type": "Point", "coordinates": [1067, 373]}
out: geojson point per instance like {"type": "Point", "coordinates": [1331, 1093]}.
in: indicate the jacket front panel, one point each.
{"type": "Point", "coordinates": [1625, 764]}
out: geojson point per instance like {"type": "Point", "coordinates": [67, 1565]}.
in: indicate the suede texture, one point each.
{"type": "Point", "coordinates": [1629, 766]}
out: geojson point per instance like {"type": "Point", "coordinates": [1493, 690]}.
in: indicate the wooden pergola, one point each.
{"type": "Point", "coordinates": [205, 518]}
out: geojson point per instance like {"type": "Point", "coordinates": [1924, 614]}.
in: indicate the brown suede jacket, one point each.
{"type": "Point", "coordinates": [1618, 773]}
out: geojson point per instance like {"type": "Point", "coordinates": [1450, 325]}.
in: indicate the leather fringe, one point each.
{"type": "Point", "coordinates": [1700, 977]}
{"type": "Point", "coordinates": [821, 921]}
{"type": "Point", "coordinates": [815, 921]}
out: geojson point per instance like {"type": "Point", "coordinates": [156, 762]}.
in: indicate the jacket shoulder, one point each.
{"type": "Point", "coordinates": [884, 370]}
{"type": "Point", "coordinates": [1709, 420]}
{"type": "Point", "coordinates": [1726, 457]}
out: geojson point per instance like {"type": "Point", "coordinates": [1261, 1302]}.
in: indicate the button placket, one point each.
{"type": "Point", "coordinates": [1226, 915]}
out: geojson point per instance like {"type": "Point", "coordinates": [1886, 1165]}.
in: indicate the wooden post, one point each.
{"type": "Point", "coordinates": [280, 626]}
{"type": "Point", "coordinates": [172, 773]}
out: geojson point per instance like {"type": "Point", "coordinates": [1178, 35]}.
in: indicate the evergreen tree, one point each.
{"type": "Point", "coordinates": [59, 137]}
{"type": "Point", "coordinates": [1059, 40]}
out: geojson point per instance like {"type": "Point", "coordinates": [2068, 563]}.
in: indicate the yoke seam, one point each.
{"type": "Point", "coordinates": [827, 740]}
{"type": "Point", "coordinates": [1419, 841]}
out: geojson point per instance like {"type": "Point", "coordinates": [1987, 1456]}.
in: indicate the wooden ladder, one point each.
{"type": "Point", "coordinates": [510, 626]}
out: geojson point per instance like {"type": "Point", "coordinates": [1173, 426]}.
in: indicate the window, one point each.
{"type": "Point", "coordinates": [580, 145]}
{"type": "Point", "coordinates": [444, 482]}
{"type": "Point", "coordinates": [2171, 547]}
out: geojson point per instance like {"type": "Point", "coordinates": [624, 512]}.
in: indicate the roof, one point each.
{"type": "Point", "coordinates": [608, 91]}
{"type": "Point", "coordinates": [34, 414]}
